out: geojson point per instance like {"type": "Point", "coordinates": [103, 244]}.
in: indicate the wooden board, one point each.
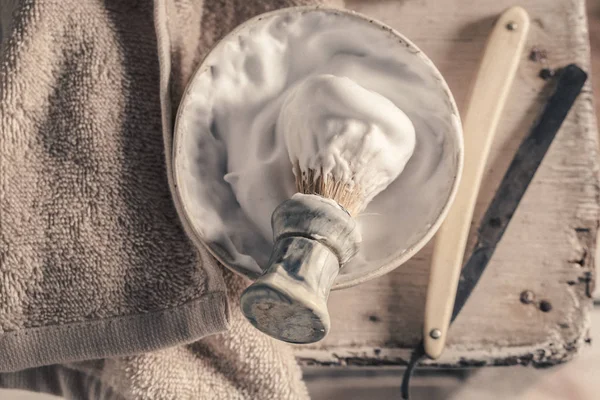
{"type": "Point", "coordinates": [549, 247]}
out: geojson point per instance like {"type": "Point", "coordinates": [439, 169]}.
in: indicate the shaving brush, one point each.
{"type": "Point", "coordinates": [346, 144]}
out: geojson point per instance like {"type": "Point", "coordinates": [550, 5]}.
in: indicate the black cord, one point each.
{"type": "Point", "coordinates": [416, 357]}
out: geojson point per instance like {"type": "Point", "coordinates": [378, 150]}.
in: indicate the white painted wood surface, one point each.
{"type": "Point", "coordinates": [550, 244]}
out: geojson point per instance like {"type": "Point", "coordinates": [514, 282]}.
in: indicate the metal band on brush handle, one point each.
{"type": "Point", "coordinates": [313, 237]}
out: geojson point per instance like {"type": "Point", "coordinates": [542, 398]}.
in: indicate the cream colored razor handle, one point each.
{"type": "Point", "coordinates": [313, 237]}
{"type": "Point", "coordinates": [487, 99]}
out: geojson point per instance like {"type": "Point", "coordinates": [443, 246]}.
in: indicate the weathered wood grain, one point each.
{"type": "Point", "coordinates": [549, 246]}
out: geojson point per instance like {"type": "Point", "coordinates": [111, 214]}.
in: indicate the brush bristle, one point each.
{"type": "Point", "coordinates": [312, 182]}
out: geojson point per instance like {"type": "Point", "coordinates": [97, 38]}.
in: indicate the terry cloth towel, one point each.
{"type": "Point", "coordinates": [94, 261]}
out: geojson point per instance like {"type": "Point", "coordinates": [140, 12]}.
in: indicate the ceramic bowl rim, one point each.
{"type": "Point", "coordinates": [456, 134]}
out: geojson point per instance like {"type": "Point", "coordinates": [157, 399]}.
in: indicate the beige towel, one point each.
{"type": "Point", "coordinates": [94, 263]}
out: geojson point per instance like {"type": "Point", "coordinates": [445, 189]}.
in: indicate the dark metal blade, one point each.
{"type": "Point", "coordinates": [517, 178]}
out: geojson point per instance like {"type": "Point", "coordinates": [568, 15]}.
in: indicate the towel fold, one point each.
{"type": "Point", "coordinates": [94, 262]}
{"type": "Point", "coordinates": [240, 363]}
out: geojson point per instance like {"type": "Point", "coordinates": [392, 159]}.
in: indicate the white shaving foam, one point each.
{"type": "Point", "coordinates": [232, 164]}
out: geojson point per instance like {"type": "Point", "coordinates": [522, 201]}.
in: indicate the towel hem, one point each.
{"type": "Point", "coordinates": [118, 336]}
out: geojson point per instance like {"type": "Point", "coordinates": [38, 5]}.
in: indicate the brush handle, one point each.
{"type": "Point", "coordinates": [488, 96]}
{"type": "Point", "coordinates": [313, 238]}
